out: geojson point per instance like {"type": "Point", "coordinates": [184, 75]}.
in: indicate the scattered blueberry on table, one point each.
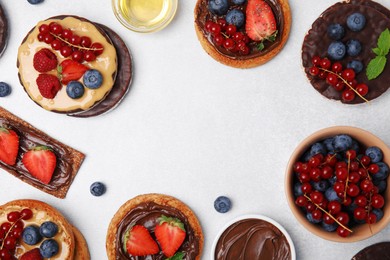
{"type": "Point", "coordinates": [5, 89]}
{"type": "Point", "coordinates": [222, 204]}
{"type": "Point", "coordinates": [97, 189]}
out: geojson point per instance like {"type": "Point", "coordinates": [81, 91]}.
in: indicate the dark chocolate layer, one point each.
{"type": "Point", "coordinates": [147, 214]}
{"type": "Point", "coordinates": [316, 43]}
{"type": "Point", "coordinates": [252, 239]}
{"type": "Point", "coordinates": [203, 15]}
{"type": "Point", "coordinates": [379, 251]}
{"type": "Point", "coordinates": [3, 30]}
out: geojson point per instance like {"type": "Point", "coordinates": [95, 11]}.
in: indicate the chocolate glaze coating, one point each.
{"type": "Point", "coordinates": [379, 251]}
{"type": "Point", "coordinates": [316, 42]}
{"type": "Point", "coordinates": [252, 239]}
{"type": "Point", "coordinates": [3, 30]}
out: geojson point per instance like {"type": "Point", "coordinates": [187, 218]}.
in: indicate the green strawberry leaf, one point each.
{"type": "Point", "coordinates": [260, 46]}
{"type": "Point", "coordinates": [376, 67]}
{"type": "Point", "coordinates": [177, 256]}
{"type": "Point", "coordinates": [384, 42]}
{"type": "Point", "coordinates": [272, 37]}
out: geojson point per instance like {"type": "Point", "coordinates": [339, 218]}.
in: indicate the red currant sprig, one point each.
{"type": "Point", "coordinates": [68, 43]}
{"type": "Point", "coordinates": [226, 35]}
{"type": "Point", "coordinates": [338, 78]}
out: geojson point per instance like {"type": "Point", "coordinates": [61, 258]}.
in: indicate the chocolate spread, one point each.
{"type": "Point", "coordinates": [202, 15]}
{"type": "Point", "coordinates": [316, 42]}
{"type": "Point", "coordinates": [28, 139]}
{"type": "Point", "coordinates": [379, 251]}
{"type": "Point", "coordinates": [3, 30]}
{"type": "Point", "coordinates": [250, 239]}
{"type": "Point", "coordinates": [146, 214]}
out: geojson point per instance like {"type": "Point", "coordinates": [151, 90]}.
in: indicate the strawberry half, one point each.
{"type": "Point", "coordinates": [48, 85]}
{"type": "Point", "coordinates": [260, 20]}
{"type": "Point", "coordinates": [9, 146]}
{"type": "Point", "coordinates": [71, 70]}
{"type": "Point", "coordinates": [44, 60]}
{"type": "Point", "coordinates": [139, 242]}
{"type": "Point", "coordinates": [40, 163]}
{"type": "Point", "coordinates": [170, 234]}
{"type": "Point", "coordinates": [32, 255]}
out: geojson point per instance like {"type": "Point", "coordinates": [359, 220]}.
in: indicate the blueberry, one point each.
{"type": "Point", "coordinates": [48, 229]}
{"type": "Point", "coordinates": [97, 189]}
{"type": "Point", "coordinates": [331, 195]}
{"type": "Point", "coordinates": [355, 146]}
{"type": "Point", "coordinates": [356, 22]}
{"type": "Point", "coordinates": [336, 50]}
{"type": "Point", "coordinates": [309, 217]}
{"type": "Point", "coordinates": [218, 7]}
{"type": "Point", "coordinates": [375, 154]}
{"type": "Point", "coordinates": [238, 2]}
{"type": "Point", "coordinates": [354, 47]}
{"type": "Point", "coordinates": [297, 189]}
{"type": "Point", "coordinates": [317, 148]}
{"type": "Point", "coordinates": [49, 248]}
{"type": "Point", "coordinates": [75, 89]}
{"type": "Point", "coordinates": [336, 31]}
{"type": "Point", "coordinates": [356, 65]}
{"type": "Point", "coordinates": [306, 156]}
{"type": "Point", "coordinates": [320, 185]}
{"type": "Point", "coordinates": [328, 143]}
{"type": "Point", "coordinates": [382, 173]}
{"type": "Point", "coordinates": [235, 17]}
{"type": "Point", "coordinates": [329, 227]}
{"type": "Point", "coordinates": [34, 2]}
{"type": "Point", "coordinates": [378, 213]}
{"type": "Point", "coordinates": [332, 180]}
{"type": "Point", "coordinates": [31, 235]}
{"type": "Point", "coordinates": [92, 79]}
{"type": "Point", "coordinates": [342, 142]}
{"type": "Point", "coordinates": [381, 185]}
{"type": "Point", "coordinates": [222, 204]}
{"type": "Point", "coordinates": [5, 89]}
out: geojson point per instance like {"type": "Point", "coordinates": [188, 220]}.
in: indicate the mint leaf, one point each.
{"type": "Point", "coordinates": [376, 67]}
{"type": "Point", "coordinates": [272, 37]}
{"type": "Point", "coordinates": [177, 256]}
{"type": "Point", "coordinates": [384, 42]}
{"type": "Point", "coordinates": [378, 51]}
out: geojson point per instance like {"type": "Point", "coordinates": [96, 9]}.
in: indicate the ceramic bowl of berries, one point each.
{"type": "Point", "coordinates": [336, 184]}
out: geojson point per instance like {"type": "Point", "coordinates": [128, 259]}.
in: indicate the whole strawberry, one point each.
{"type": "Point", "coordinates": [45, 60]}
{"type": "Point", "coordinates": [32, 255]}
{"type": "Point", "coordinates": [48, 85]}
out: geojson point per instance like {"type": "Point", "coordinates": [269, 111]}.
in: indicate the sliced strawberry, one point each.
{"type": "Point", "coordinates": [48, 85]}
{"type": "Point", "coordinates": [139, 242]}
{"type": "Point", "coordinates": [260, 20]}
{"type": "Point", "coordinates": [9, 146]}
{"type": "Point", "coordinates": [32, 255]}
{"type": "Point", "coordinates": [170, 234]}
{"type": "Point", "coordinates": [44, 60]}
{"type": "Point", "coordinates": [71, 70]}
{"type": "Point", "coordinates": [40, 163]}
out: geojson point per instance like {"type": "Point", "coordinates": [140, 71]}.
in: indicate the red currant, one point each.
{"type": "Point", "coordinates": [350, 154]}
{"type": "Point", "coordinates": [13, 216]}
{"type": "Point", "coordinates": [301, 201]}
{"type": "Point", "coordinates": [222, 22]}
{"type": "Point", "coordinates": [339, 86]}
{"type": "Point", "coordinates": [348, 95]}
{"type": "Point", "coordinates": [246, 39]}
{"type": "Point", "coordinates": [314, 162]}
{"type": "Point", "coordinates": [334, 207]}
{"type": "Point", "coordinates": [97, 48]}
{"type": "Point", "coordinates": [360, 213]}
{"type": "Point", "coordinates": [361, 201]}
{"type": "Point", "coordinates": [337, 67]}
{"type": "Point", "coordinates": [316, 60]}
{"type": "Point", "coordinates": [310, 207]}
{"type": "Point", "coordinates": [67, 34]}
{"type": "Point", "coordinates": [327, 172]}
{"type": "Point", "coordinates": [86, 41]}
{"type": "Point", "coordinates": [315, 174]}
{"type": "Point", "coordinates": [330, 160]}
{"type": "Point", "coordinates": [332, 79]}
{"type": "Point", "coordinates": [377, 201]}
{"type": "Point", "coordinates": [48, 38]}
{"type": "Point", "coordinates": [56, 44]}
{"type": "Point", "coordinates": [347, 201]}
{"type": "Point", "coordinates": [366, 185]}
{"type": "Point", "coordinates": [55, 28]}
{"type": "Point", "coordinates": [215, 29]}
{"type": "Point", "coordinates": [342, 232]}
{"type": "Point", "coordinates": [322, 74]}
{"type": "Point", "coordinates": [362, 89]}
{"type": "Point", "coordinates": [44, 29]}
{"type": "Point", "coordinates": [314, 71]}
{"type": "Point", "coordinates": [348, 74]}
{"type": "Point", "coordinates": [373, 168]}
{"type": "Point", "coordinates": [75, 40]}
{"type": "Point", "coordinates": [353, 83]}
{"type": "Point", "coordinates": [339, 187]}
{"type": "Point", "coordinates": [89, 56]}
{"type": "Point", "coordinates": [66, 51]}
{"type": "Point", "coordinates": [306, 188]}
{"type": "Point", "coordinates": [5, 254]}
{"type": "Point", "coordinates": [26, 214]}
{"type": "Point", "coordinates": [354, 166]}
{"type": "Point", "coordinates": [325, 63]}
{"type": "Point", "coordinates": [5, 226]}
{"type": "Point", "coordinates": [77, 56]}
{"type": "Point", "coordinates": [238, 36]}
{"type": "Point", "coordinates": [341, 165]}
{"type": "Point", "coordinates": [328, 219]}
{"type": "Point", "coordinates": [231, 29]}
{"type": "Point", "coordinates": [316, 197]}
{"type": "Point", "coordinates": [354, 177]}
{"type": "Point", "coordinates": [341, 174]}
{"type": "Point", "coordinates": [371, 218]}
{"type": "Point", "coordinates": [229, 43]}
{"type": "Point", "coordinates": [297, 167]}
{"type": "Point", "coordinates": [353, 190]}
{"type": "Point", "coordinates": [219, 39]}
{"type": "Point", "coordinates": [41, 37]}
{"type": "Point", "coordinates": [317, 214]}
{"type": "Point", "coordinates": [304, 177]}
{"type": "Point", "coordinates": [365, 160]}
{"type": "Point", "coordinates": [243, 48]}
{"type": "Point", "coordinates": [343, 218]}
{"type": "Point", "coordinates": [9, 243]}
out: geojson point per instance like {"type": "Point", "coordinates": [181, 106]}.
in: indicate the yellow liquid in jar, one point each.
{"type": "Point", "coordinates": [145, 13]}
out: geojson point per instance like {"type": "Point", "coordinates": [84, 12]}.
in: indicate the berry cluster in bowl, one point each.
{"type": "Point", "coordinates": [336, 184]}
{"type": "Point", "coordinates": [331, 69]}
{"type": "Point", "coordinates": [241, 27]}
{"type": "Point", "coordinates": [13, 232]}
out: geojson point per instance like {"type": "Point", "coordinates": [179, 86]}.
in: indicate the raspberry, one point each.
{"type": "Point", "coordinates": [48, 85]}
{"type": "Point", "coordinates": [45, 60]}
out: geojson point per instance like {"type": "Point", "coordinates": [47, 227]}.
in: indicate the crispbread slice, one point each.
{"type": "Point", "coordinates": [66, 155]}
{"type": "Point", "coordinates": [160, 199]}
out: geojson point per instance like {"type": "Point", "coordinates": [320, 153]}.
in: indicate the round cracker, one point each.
{"type": "Point", "coordinates": [160, 199]}
{"type": "Point", "coordinates": [250, 62]}
{"type": "Point", "coordinates": [54, 214]}
{"type": "Point", "coordinates": [81, 247]}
